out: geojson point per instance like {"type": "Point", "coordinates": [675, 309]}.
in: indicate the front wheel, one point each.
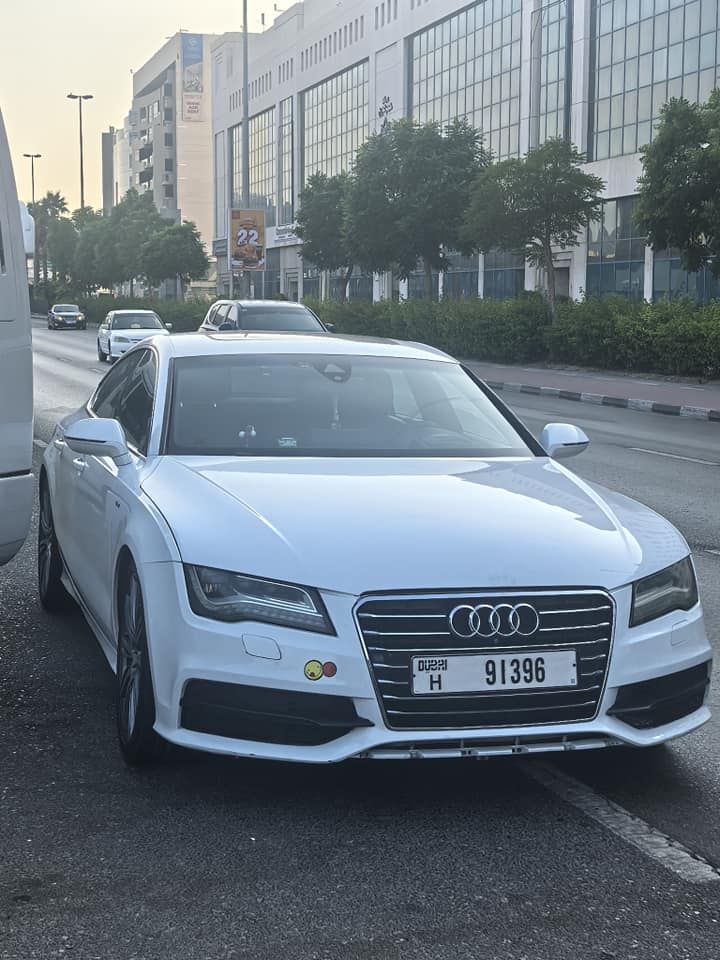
{"type": "Point", "coordinates": [139, 744]}
{"type": "Point", "coordinates": [53, 596]}
{"type": "Point", "coordinates": [102, 357]}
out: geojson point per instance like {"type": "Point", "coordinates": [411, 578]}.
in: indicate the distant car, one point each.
{"type": "Point", "coordinates": [66, 315]}
{"type": "Point", "coordinates": [122, 328]}
{"type": "Point", "coordinates": [279, 315]}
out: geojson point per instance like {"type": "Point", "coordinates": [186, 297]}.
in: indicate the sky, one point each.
{"type": "Point", "coordinates": [49, 48]}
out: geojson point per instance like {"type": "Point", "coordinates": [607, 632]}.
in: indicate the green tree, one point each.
{"type": "Point", "coordinates": [134, 221]}
{"type": "Point", "coordinates": [321, 227]}
{"type": "Point", "coordinates": [679, 197]}
{"type": "Point", "coordinates": [62, 238]}
{"type": "Point", "coordinates": [176, 251]}
{"type": "Point", "coordinates": [528, 206]}
{"type": "Point", "coordinates": [95, 263]}
{"type": "Point", "coordinates": [408, 194]}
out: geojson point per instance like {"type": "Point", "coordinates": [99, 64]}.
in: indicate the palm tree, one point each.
{"type": "Point", "coordinates": [51, 207]}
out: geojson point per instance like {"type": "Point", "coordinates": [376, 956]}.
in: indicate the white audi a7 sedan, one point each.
{"type": "Point", "coordinates": [310, 547]}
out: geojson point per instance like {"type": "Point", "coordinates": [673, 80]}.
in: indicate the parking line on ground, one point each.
{"type": "Point", "coordinates": [669, 853]}
{"type": "Point", "coordinates": [676, 456]}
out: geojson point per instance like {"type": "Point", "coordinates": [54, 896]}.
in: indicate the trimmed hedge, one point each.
{"type": "Point", "coordinates": [674, 338]}
{"type": "Point", "coordinates": [184, 315]}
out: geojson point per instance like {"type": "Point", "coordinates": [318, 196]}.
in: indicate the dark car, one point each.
{"type": "Point", "coordinates": [229, 315]}
{"type": "Point", "coordinates": [66, 315]}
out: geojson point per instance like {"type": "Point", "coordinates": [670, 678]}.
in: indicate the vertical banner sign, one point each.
{"type": "Point", "coordinates": [192, 76]}
{"type": "Point", "coordinates": [247, 239]}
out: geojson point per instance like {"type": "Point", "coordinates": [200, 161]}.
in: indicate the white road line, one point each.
{"type": "Point", "coordinates": [676, 456]}
{"type": "Point", "coordinates": [669, 853]}
{"type": "Point", "coordinates": [39, 443]}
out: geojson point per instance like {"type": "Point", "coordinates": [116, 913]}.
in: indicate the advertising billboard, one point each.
{"type": "Point", "coordinates": [192, 76]}
{"type": "Point", "coordinates": [247, 239]}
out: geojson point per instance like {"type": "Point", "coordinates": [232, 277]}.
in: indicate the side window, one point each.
{"type": "Point", "coordinates": [212, 314]}
{"type": "Point", "coordinates": [108, 396]}
{"type": "Point", "coordinates": [223, 314]}
{"type": "Point", "coordinates": [137, 401]}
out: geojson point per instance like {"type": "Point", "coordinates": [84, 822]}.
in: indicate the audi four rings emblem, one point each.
{"type": "Point", "coordinates": [487, 621]}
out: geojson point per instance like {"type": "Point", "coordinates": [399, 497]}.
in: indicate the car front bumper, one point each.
{"type": "Point", "coordinates": [215, 683]}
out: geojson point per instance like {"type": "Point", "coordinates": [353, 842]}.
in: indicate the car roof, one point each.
{"type": "Point", "coordinates": [281, 342]}
{"type": "Point", "coordinates": [249, 304]}
{"type": "Point", "coordinates": [139, 310]}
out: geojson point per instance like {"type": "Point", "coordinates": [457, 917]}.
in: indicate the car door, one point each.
{"type": "Point", "coordinates": [69, 512]}
{"type": "Point", "coordinates": [103, 489]}
{"type": "Point", "coordinates": [104, 334]}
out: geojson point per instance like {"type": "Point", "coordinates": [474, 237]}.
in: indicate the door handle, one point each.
{"type": "Point", "coordinates": [79, 463]}
{"type": "Point", "coordinates": [60, 444]}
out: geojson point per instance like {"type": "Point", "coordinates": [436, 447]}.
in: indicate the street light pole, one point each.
{"type": "Point", "coordinates": [80, 97]}
{"type": "Point", "coordinates": [32, 157]}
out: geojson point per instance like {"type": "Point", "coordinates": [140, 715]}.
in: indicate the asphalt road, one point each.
{"type": "Point", "coordinates": [208, 858]}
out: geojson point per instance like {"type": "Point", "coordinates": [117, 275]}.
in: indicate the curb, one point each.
{"type": "Point", "coordinates": [599, 399]}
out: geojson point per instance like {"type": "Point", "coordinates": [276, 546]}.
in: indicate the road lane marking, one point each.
{"type": "Point", "coordinates": [669, 853]}
{"type": "Point", "coordinates": [676, 456]}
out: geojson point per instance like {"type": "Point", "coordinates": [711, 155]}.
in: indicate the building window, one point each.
{"type": "Point", "coordinates": [334, 117]}
{"type": "Point", "coordinates": [646, 54]}
{"type": "Point", "coordinates": [503, 275]}
{"type": "Point", "coordinates": [460, 282]}
{"type": "Point", "coordinates": [169, 165]}
{"type": "Point", "coordinates": [263, 169]}
{"type": "Point", "coordinates": [616, 251]}
{"type": "Point", "coordinates": [286, 213]}
{"type": "Point", "coordinates": [167, 89]}
{"type": "Point", "coordinates": [169, 190]}
{"type": "Point", "coordinates": [549, 38]}
{"type": "Point", "coordinates": [168, 139]}
{"type": "Point", "coordinates": [168, 114]}
{"type": "Point", "coordinates": [469, 66]}
{"type": "Point", "coordinates": [671, 280]}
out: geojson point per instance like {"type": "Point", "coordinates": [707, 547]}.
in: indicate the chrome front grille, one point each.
{"type": "Point", "coordinates": [394, 629]}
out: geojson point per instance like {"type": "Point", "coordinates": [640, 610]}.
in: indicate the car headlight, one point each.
{"type": "Point", "coordinates": [81, 316]}
{"type": "Point", "coordinates": [222, 595]}
{"type": "Point", "coordinates": [673, 588]}
{"type": "Point", "coordinates": [117, 339]}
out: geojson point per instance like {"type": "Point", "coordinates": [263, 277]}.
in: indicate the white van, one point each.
{"type": "Point", "coordinates": [16, 393]}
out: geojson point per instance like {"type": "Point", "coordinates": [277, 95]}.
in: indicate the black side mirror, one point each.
{"type": "Point", "coordinates": [330, 327]}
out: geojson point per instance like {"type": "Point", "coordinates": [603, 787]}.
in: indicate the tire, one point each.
{"type": "Point", "coordinates": [139, 744]}
{"type": "Point", "coordinates": [53, 596]}
{"type": "Point", "coordinates": [102, 357]}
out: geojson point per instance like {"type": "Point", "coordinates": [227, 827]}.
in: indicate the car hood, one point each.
{"type": "Point", "coordinates": [363, 525]}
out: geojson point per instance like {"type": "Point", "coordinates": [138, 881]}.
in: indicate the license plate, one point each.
{"type": "Point", "coordinates": [70, 323]}
{"type": "Point", "coordinates": [485, 673]}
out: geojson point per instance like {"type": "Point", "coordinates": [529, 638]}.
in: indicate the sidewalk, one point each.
{"type": "Point", "coordinates": [681, 398]}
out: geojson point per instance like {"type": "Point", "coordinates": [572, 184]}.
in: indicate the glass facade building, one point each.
{"type": "Point", "coordinates": [616, 254]}
{"type": "Point", "coordinates": [335, 121]}
{"type": "Point", "coordinates": [645, 53]}
{"type": "Point", "coordinates": [469, 66]}
{"type": "Point", "coordinates": [263, 169]}
{"type": "Point", "coordinates": [671, 280]}
{"type": "Point", "coordinates": [503, 275]}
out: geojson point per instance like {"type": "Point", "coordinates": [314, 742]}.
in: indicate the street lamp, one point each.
{"type": "Point", "coordinates": [32, 157]}
{"type": "Point", "coordinates": [80, 97]}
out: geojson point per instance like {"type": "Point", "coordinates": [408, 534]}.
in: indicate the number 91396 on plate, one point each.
{"type": "Point", "coordinates": [486, 673]}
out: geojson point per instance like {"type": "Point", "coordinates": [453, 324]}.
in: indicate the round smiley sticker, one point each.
{"type": "Point", "coordinates": [313, 669]}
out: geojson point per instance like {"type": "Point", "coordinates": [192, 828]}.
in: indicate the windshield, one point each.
{"type": "Point", "coordinates": [66, 308]}
{"type": "Point", "coordinates": [320, 405]}
{"type": "Point", "coordinates": [137, 321]}
{"type": "Point", "coordinates": [270, 317]}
